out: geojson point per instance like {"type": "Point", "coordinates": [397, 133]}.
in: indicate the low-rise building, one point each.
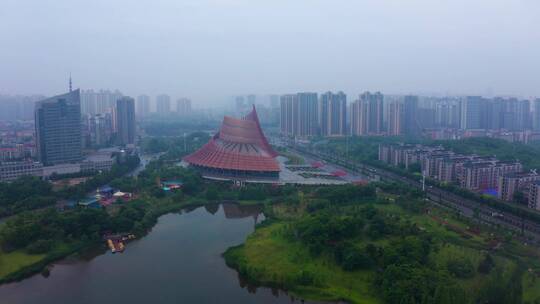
{"type": "Point", "coordinates": [61, 169]}
{"type": "Point", "coordinates": [98, 162]}
{"type": "Point", "coordinates": [511, 183]}
{"type": "Point", "coordinates": [405, 155]}
{"type": "Point", "coordinates": [534, 195]}
{"type": "Point", "coordinates": [483, 175]}
{"type": "Point", "coordinates": [473, 172]}
{"type": "Point", "coordinates": [18, 151]}
{"type": "Point", "coordinates": [10, 171]}
{"type": "Point", "coordinates": [477, 176]}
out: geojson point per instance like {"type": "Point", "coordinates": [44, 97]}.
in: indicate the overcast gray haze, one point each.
{"type": "Point", "coordinates": [211, 49]}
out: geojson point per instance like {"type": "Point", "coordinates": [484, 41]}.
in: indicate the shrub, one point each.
{"type": "Point", "coordinates": [39, 246]}
{"type": "Point", "coordinates": [461, 268]}
{"type": "Point", "coordinates": [486, 265]}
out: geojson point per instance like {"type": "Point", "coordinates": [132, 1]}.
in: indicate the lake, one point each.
{"type": "Point", "coordinates": [179, 261]}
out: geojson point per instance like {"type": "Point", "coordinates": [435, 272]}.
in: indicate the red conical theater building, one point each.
{"type": "Point", "coordinates": [239, 151]}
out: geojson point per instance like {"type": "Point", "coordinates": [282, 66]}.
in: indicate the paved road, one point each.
{"type": "Point", "coordinates": [465, 207]}
{"type": "Point", "coordinates": [145, 159]}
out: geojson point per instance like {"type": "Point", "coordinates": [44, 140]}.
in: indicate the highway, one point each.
{"type": "Point", "coordinates": [465, 207]}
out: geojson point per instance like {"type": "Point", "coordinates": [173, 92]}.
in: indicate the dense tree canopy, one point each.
{"type": "Point", "coordinates": [25, 193]}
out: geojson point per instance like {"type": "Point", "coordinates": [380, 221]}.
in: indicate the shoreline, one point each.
{"type": "Point", "coordinates": [49, 259]}
{"type": "Point", "coordinates": [295, 279]}
{"type": "Point", "coordinates": [39, 266]}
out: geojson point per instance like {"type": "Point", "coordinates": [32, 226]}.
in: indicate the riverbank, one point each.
{"type": "Point", "coordinates": [382, 252]}
{"type": "Point", "coordinates": [19, 264]}
{"type": "Point", "coordinates": [179, 259]}
{"type": "Point", "coordinates": [267, 258]}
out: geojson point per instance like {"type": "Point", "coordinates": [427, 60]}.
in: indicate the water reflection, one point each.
{"type": "Point", "coordinates": [233, 211]}
{"type": "Point", "coordinates": [212, 209]}
{"type": "Point", "coordinates": [179, 261]}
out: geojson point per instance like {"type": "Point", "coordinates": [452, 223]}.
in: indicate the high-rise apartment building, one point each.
{"type": "Point", "coordinates": [88, 102]}
{"type": "Point", "coordinates": [240, 104]}
{"type": "Point", "coordinates": [524, 117]}
{"type": "Point", "coordinates": [333, 114]}
{"type": "Point", "coordinates": [375, 115]}
{"type": "Point", "coordinates": [366, 115]}
{"type": "Point", "coordinates": [359, 117]}
{"type": "Point", "coordinates": [442, 114]}
{"type": "Point", "coordinates": [274, 101]}
{"type": "Point", "coordinates": [410, 124]}
{"type": "Point", "coordinates": [97, 102]}
{"type": "Point", "coordinates": [536, 117]}
{"type": "Point", "coordinates": [307, 123]}
{"type": "Point", "coordinates": [395, 118]}
{"type": "Point", "coordinates": [143, 105]}
{"type": "Point", "coordinates": [18, 107]}
{"type": "Point", "coordinates": [299, 114]}
{"type": "Point", "coordinates": [125, 121]}
{"type": "Point", "coordinates": [98, 129]}
{"type": "Point", "coordinates": [183, 106]}
{"type": "Point", "coordinates": [288, 112]}
{"type": "Point", "coordinates": [163, 104]}
{"type": "Point", "coordinates": [251, 100]}
{"type": "Point", "coordinates": [493, 113]}
{"type": "Point", "coordinates": [508, 111]}
{"type": "Point", "coordinates": [471, 113]}
{"type": "Point", "coordinates": [426, 118]}
{"type": "Point", "coordinates": [58, 129]}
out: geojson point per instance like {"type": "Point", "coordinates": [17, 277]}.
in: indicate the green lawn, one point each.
{"type": "Point", "coordinates": [270, 259]}
{"type": "Point", "coordinates": [13, 261]}
{"type": "Point", "coordinates": [474, 284]}
{"type": "Point", "coordinates": [531, 288]}
{"type": "Point", "coordinates": [429, 224]}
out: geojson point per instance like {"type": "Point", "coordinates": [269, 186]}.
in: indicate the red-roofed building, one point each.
{"type": "Point", "coordinates": [339, 173]}
{"type": "Point", "coordinates": [317, 164]}
{"type": "Point", "coordinates": [239, 151]}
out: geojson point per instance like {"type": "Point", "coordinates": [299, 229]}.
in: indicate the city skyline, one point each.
{"type": "Point", "coordinates": [240, 151]}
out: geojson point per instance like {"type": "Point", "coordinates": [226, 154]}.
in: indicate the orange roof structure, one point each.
{"type": "Point", "coordinates": [239, 145]}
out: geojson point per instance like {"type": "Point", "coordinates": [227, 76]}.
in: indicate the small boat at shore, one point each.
{"type": "Point", "coordinates": [115, 245]}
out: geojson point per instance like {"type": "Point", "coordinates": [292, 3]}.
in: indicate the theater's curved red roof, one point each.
{"type": "Point", "coordinates": [239, 145]}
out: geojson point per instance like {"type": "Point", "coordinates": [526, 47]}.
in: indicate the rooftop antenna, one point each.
{"type": "Point", "coordinates": [70, 88]}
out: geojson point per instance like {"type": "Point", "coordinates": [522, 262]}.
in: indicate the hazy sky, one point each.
{"type": "Point", "coordinates": [211, 49]}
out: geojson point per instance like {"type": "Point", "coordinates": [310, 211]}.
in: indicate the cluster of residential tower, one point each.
{"type": "Point", "coordinates": [484, 174]}
{"type": "Point", "coordinates": [308, 114]}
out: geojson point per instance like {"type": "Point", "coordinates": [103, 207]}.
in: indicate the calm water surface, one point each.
{"type": "Point", "coordinates": [179, 261]}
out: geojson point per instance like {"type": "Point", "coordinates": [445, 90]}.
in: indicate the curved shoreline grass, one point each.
{"type": "Point", "coordinates": [39, 265]}
{"type": "Point", "coordinates": [268, 259]}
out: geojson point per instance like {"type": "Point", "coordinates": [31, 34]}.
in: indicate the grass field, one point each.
{"type": "Point", "coordinates": [13, 261]}
{"type": "Point", "coordinates": [531, 288]}
{"type": "Point", "coordinates": [287, 264]}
